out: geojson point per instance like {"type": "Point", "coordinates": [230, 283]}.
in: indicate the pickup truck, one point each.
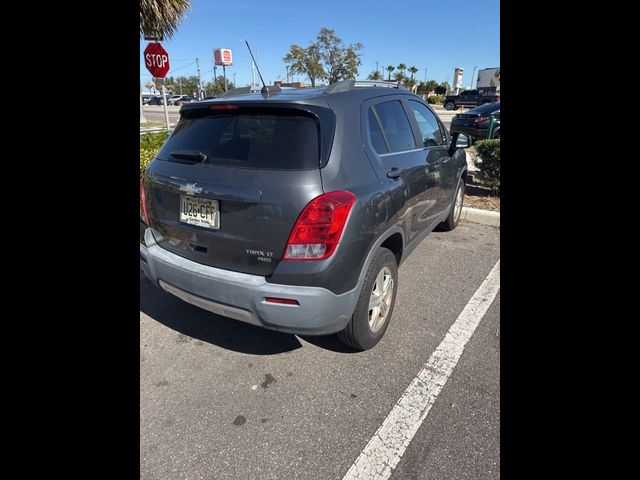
{"type": "Point", "coordinates": [469, 98]}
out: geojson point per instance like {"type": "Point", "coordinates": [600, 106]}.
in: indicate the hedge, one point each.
{"type": "Point", "coordinates": [150, 143]}
{"type": "Point", "coordinates": [489, 163]}
{"type": "Point", "coordinates": [435, 99]}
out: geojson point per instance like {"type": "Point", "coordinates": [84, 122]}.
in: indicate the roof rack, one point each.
{"type": "Point", "coordinates": [239, 91]}
{"type": "Point", "coordinates": [347, 85]}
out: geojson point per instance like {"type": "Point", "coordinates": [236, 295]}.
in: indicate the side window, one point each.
{"type": "Point", "coordinates": [375, 133]}
{"type": "Point", "coordinates": [396, 126]}
{"type": "Point", "coordinates": [432, 136]}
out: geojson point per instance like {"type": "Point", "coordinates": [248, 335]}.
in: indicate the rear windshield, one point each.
{"type": "Point", "coordinates": [284, 141]}
{"type": "Point", "coordinates": [486, 109]}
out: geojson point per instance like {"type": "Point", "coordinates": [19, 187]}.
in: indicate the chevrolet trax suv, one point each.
{"type": "Point", "coordinates": [292, 209]}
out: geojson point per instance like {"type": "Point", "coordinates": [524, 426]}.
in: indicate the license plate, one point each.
{"type": "Point", "coordinates": [200, 212]}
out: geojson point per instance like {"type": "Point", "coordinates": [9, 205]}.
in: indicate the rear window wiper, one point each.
{"type": "Point", "coordinates": [189, 155]}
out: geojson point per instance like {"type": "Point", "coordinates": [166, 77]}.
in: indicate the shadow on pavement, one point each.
{"type": "Point", "coordinates": [209, 327]}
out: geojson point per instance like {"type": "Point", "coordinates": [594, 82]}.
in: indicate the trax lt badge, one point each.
{"type": "Point", "coordinates": [190, 189]}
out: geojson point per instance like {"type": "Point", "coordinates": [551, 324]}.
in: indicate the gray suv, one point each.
{"type": "Point", "coordinates": [292, 209]}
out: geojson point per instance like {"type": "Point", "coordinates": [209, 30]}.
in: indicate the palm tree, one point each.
{"type": "Point", "coordinates": [413, 71]}
{"type": "Point", "coordinates": [399, 77]}
{"type": "Point", "coordinates": [375, 75]}
{"type": "Point", "coordinates": [402, 67]}
{"type": "Point", "coordinates": [162, 16]}
{"type": "Point", "coordinates": [390, 69]}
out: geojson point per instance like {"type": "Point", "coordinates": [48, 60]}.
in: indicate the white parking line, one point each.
{"type": "Point", "coordinates": [385, 449]}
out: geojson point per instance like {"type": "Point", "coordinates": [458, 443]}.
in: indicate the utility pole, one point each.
{"type": "Point", "coordinates": [235, 85]}
{"type": "Point", "coordinates": [376, 67]}
{"type": "Point", "coordinates": [473, 75]}
{"type": "Point", "coordinates": [425, 75]}
{"type": "Point", "coordinates": [224, 73]}
{"type": "Point", "coordinates": [287, 73]}
{"type": "Point", "coordinates": [199, 79]}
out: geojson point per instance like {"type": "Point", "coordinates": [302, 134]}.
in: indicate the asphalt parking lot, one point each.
{"type": "Point", "coordinates": [220, 399]}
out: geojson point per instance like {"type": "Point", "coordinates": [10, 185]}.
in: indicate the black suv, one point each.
{"type": "Point", "coordinates": [293, 209]}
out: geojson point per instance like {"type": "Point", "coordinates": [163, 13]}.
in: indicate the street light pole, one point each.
{"type": "Point", "coordinates": [472, 77]}
{"type": "Point", "coordinates": [425, 75]}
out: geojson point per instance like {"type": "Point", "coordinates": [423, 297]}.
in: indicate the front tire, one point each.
{"type": "Point", "coordinates": [375, 305]}
{"type": "Point", "coordinates": [456, 209]}
{"type": "Point", "coordinates": [449, 106]}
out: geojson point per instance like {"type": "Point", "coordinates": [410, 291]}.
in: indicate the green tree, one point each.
{"type": "Point", "coordinates": [340, 62]}
{"type": "Point", "coordinates": [217, 87]}
{"type": "Point", "coordinates": [413, 71]}
{"type": "Point", "coordinates": [390, 69]}
{"type": "Point", "coordinates": [162, 16]}
{"type": "Point", "coordinates": [443, 88]}
{"type": "Point", "coordinates": [401, 68]}
{"type": "Point", "coordinates": [431, 85]}
{"type": "Point", "coordinates": [399, 77]}
{"type": "Point", "coordinates": [327, 58]}
{"type": "Point", "coordinates": [375, 75]}
{"type": "Point", "coordinates": [306, 61]}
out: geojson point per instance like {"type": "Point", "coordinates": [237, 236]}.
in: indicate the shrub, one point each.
{"type": "Point", "coordinates": [435, 99]}
{"type": "Point", "coordinates": [489, 163]}
{"type": "Point", "coordinates": [150, 143]}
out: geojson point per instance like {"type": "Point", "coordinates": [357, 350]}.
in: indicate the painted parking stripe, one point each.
{"type": "Point", "coordinates": [385, 449]}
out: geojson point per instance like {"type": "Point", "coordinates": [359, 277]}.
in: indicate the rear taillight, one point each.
{"type": "Point", "coordinates": [481, 119]}
{"type": "Point", "coordinates": [319, 227]}
{"type": "Point", "coordinates": [143, 203]}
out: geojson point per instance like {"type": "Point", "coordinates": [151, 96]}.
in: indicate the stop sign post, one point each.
{"type": "Point", "coordinates": [156, 59]}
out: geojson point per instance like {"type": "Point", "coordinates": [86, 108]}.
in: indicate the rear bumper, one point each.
{"type": "Point", "coordinates": [241, 296]}
{"type": "Point", "coordinates": [474, 132]}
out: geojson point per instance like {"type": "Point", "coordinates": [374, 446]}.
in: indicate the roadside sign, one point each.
{"type": "Point", "coordinates": [223, 56]}
{"type": "Point", "coordinates": [153, 37]}
{"type": "Point", "coordinates": [156, 59]}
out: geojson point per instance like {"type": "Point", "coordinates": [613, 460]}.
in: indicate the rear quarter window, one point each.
{"type": "Point", "coordinates": [283, 141]}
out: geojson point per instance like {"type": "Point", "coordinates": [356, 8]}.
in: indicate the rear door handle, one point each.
{"type": "Point", "coordinates": [394, 172]}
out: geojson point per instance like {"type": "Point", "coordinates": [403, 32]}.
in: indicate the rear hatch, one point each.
{"type": "Point", "coordinates": [229, 184]}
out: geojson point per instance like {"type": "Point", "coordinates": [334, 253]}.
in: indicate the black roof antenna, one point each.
{"type": "Point", "coordinates": [265, 90]}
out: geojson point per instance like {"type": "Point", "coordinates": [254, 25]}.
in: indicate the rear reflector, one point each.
{"type": "Point", "coordinates": [319, 227]}
{"type": "Point", "coordinates": [223, 106]}
{"type": "Point", "coordinates": [285, 301]}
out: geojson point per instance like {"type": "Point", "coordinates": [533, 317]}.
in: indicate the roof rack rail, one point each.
{"type": "Point", "coordinates": [346, 85]}
{"type": "Point", "coordinates": [239, 91]}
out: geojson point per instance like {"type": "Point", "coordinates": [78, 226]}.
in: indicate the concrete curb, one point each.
{"type": "Point", "coordinates": [477, 215]}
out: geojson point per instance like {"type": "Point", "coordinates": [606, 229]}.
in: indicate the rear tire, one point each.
{"type": "Point", "coordinates": [496, 133]}
{"type": "Point", "coordinates": [456, 209]}
{"type": "Point", "coordinates": [375, 304]}
{"type": "Point", "coordinates": [449, 106]}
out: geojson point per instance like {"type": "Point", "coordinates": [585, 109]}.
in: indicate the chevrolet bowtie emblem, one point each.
{"type": "Point", "coordinates": [190, 189]}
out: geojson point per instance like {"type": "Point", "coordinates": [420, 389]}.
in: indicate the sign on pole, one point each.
{"type": "Point", "coordinates": [223, 56]}
{"type": "Point", "coordinates": [156, 59]}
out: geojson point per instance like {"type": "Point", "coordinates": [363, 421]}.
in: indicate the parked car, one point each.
{"type": "Point", "coordinates": [470, 98]}
{"type": "Point", "coordinates": [181, 99]}
{"type": "Point", "coordinates": [294, 210]}
{"type": "Point", "coordinates": [157, 100]}
{"type": "Point", "coordinates": [475, 122]}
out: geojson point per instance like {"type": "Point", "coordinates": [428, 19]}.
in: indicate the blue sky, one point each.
{"type": "Point", "coordinates": [437, 35]}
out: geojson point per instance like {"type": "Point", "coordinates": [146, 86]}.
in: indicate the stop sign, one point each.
{"type": "Point", "coordinates": [156, 60]}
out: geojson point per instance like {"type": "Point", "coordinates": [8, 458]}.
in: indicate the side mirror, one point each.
{"type": "Point", "coordinates": [459, 140]}
{"type": "Point", "coordinates": [463, 140]}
